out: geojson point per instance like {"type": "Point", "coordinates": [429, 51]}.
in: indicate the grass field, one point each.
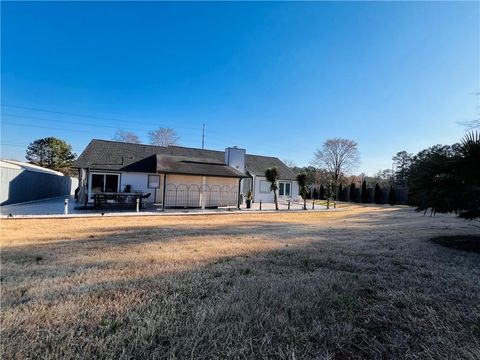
{"type": "Point", "coordinates": [357, 283]}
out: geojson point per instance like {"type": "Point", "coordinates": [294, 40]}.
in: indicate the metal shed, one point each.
{"type": "Point", "coordinates": [21, 182]}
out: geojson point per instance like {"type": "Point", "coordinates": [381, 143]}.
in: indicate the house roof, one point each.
{"type": "Point", "coordinates": [193, 166]}
{"type": "Point", "coordinates": [120, 156]}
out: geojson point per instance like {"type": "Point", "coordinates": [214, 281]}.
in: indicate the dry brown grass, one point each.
{"type": "Point", "coordinates": [363, 282]}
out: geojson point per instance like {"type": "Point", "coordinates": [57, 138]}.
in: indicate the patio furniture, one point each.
{"type": "Point", "coordinates": [144, 199]}
{"type": "Point", "coordinates": [114, 199]}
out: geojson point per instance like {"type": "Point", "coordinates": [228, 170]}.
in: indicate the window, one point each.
{"type": "Point", "coordinates": [284, 188]}
{"type": "Point", "coordinates": [153, 181]}
{"type": "Point", "coordinates": [104, 183]}
{"type": "Point", "coordinates": [111, 183]}
{"type": "Point", "coordinates": [97, 182]}
{"type": "Point", "coordinates": [264, 186]}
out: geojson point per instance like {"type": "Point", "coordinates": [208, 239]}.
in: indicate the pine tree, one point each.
{"type": "Point", "coordinates": [377, 195]}
{"type": "Point", "coordinates": [352, 192]}
{"type": "Point", "coordinates": [364, 195]}
{"type": "Point", "coordinates": [322, 193]}
{"type": "Point", "coordinates": [51, 153]}
{"type": "Point", "coordinates": [315, 193]}
{"type": "Point", "coordinates": [340, 193]}
{"type": "Point", "coordinates": [391, 196]}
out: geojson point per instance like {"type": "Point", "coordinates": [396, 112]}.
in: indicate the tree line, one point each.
{"type": "Point", "coordinates": [439, 179]}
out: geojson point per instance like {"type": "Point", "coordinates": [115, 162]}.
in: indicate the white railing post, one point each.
{"type": "Point", "coordinates": [138, 204]}
{"type": "Point", "coordinates": [65, 206]}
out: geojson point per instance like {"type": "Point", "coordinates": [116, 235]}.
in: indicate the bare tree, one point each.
{"type": "Point", "coordinates": [337, 156]}
{"type": "Point", "coordinates": [163, 137]}
{"type": "Point", "coordinates": [472, 124]}
{"type": "Point", "coordinates": [126, 136]}
{"type": "Point", "coordinates": [289, 163]}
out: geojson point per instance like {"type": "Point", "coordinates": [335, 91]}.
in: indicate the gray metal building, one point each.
{"type": "Point", "coordinates": [21, 182]}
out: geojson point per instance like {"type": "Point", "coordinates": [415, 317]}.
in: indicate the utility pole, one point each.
{"type": "Point", "coordinates": [203, 137]}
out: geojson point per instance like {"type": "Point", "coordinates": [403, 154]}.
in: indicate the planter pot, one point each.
{"type": "Point", "coordinates": [249, 203]}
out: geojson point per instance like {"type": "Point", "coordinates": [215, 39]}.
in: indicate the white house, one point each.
{"type": "Point", "coordinates": [177, 176]}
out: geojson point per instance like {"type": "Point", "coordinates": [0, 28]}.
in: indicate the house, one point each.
{"type": "Point", "coordinates": [176, 176]}
{"type": "Point", "coordinates": [22, 182]}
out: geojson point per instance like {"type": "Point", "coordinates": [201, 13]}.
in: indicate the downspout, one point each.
{"type": "Point", "coordinates": [253, 186]}
{"type": "Point", "coordinates": [202, 194]}
{"type": "Point", "coordinates": [87, 185]}
{"type": "Point", "coordinates": [164, 189]}
{"type": "Point", "coordinates": [239, 191]}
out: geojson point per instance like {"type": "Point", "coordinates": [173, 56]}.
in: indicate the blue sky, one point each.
{"type": "Point", "coordinates": [275, 78]}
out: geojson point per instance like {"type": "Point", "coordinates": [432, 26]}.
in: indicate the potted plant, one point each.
{"type": "Point", "coordinates": [249, 199]}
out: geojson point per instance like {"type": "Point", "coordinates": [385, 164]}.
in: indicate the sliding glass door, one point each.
{"type": "Point", "coordinates": [104, 183]}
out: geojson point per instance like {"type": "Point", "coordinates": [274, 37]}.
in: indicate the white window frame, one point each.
{"type": "Point", "coordinates": [119, 175]}
{"type": "Point", "coordinates": [149, 183]}
{"type": "Point", "coordinates": [284, 183]}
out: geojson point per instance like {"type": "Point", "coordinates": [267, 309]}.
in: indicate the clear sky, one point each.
{"type": "Point", "coordinates": [275, 78]}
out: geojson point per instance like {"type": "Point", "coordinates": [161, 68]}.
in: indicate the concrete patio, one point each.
{"type": "Point", "coordinates": [54, 207]}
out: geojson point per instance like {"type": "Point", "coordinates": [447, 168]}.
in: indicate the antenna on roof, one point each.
{"type": "Point", "coordinates": [203, 137]}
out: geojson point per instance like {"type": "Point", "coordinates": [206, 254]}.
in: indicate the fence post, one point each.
{"type": "Point", "coordinates": [260, 204]}
{"type": "Point", "coordinates": [138, 204]}
{"type": "Point", "coordinates": [328, 204]}
{"type": "Point", "coordinates": [313, 204]}
{"type": "Point", "coordinates": [288, 204]}
{"type": "Point", "coordinates": [65, 206]}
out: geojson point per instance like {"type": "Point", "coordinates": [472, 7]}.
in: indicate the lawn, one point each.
{"type": "Point", "coordinates": [356, 283]}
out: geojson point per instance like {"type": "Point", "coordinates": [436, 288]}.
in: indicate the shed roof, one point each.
{"type": "Point", "coordinates": [19, 165]}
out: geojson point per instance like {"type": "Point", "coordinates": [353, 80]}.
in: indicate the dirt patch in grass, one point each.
{"type": "Point", "coordinates": [359, 283]}
{"type": "Point", "coordinates": [469, 243]}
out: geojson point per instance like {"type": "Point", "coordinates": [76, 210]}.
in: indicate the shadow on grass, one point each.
{"type": "Point", "coordinates": [330, 295]}
{"type": "Point", "coordinates": [470, 243]}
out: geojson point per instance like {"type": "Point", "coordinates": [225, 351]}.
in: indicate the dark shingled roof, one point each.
{"type": "Point", "coordinates": [120, 156]}
{"type": "Point", "coordinates": [184, 165]}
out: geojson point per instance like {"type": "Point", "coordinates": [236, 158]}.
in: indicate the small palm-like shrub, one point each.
{"type": "Point", "coordinates": [272, 177]}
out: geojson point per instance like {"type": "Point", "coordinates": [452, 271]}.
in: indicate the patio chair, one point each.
{"type": "Point", "coordinates": [144, 199]}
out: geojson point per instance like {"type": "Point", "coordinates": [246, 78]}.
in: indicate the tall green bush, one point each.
{"type": "Point", "coordinates": [377, 195]}
{"type": "Point", "coordinates": [352, 192]}
{"type": "Point", "coordinates": [446, 179]}
{"type": "Point", "coordinates": [340, 193]}
{"type": "Point", "coordinates": [364, 195]}
{"type": "Point", "coordinates": [392, 196]}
